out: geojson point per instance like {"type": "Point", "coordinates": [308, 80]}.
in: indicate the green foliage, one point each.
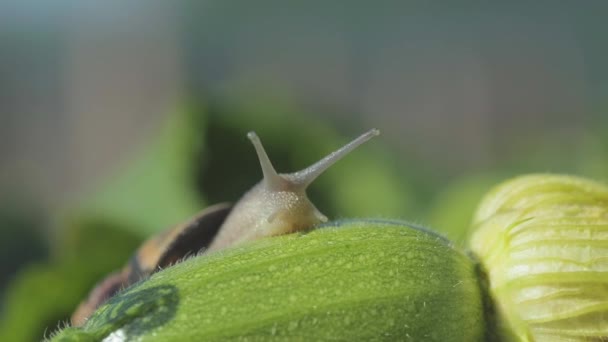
{"type": "Point", "coordinates": [21, 239]}
{"type": "Point", "coordinates": [455, 205]}
{"type": "Point", "coordinates": [350, 280]}
{"type": "Point", "coordinates": [41, 298]}
{"type": "Point", "coordinates": [157, 189]}
{"type": "Point", "coordinates": [98, 236]}
{"type": "Point", "coordinates": [43, 295]}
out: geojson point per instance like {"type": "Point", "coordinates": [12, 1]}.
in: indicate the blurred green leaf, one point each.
{"type": "Point", "coordinates": [453, 209]}
{"type": "Point", "coordinates": [157, 189]}
{"type": "Point", "coordinates": [21, 237]}
{"type": "Point", "coordinates": [44, 295]}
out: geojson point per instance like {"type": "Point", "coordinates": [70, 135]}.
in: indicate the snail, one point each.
{"type": "Point", "coordinates": [277, 205]}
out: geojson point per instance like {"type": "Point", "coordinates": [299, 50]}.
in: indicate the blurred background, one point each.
{"type": "Point", "coordinates": [118, 119]}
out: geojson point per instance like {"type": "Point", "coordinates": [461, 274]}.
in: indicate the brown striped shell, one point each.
{"type": "Point", "coordinates": [161, 251]}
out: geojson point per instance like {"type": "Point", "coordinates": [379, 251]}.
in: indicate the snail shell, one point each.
{"type": "Point", "coordinates": [161, 251]}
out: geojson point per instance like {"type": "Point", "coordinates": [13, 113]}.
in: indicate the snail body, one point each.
{"type": "Point", "coordinates": [276, 205]}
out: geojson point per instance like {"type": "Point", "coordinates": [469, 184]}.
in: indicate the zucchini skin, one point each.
{"type": "Point", "coordinates": [347, 280]}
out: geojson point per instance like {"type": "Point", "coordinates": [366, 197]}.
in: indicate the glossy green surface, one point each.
{"type": "Point", "coordinates": [350, 280]}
